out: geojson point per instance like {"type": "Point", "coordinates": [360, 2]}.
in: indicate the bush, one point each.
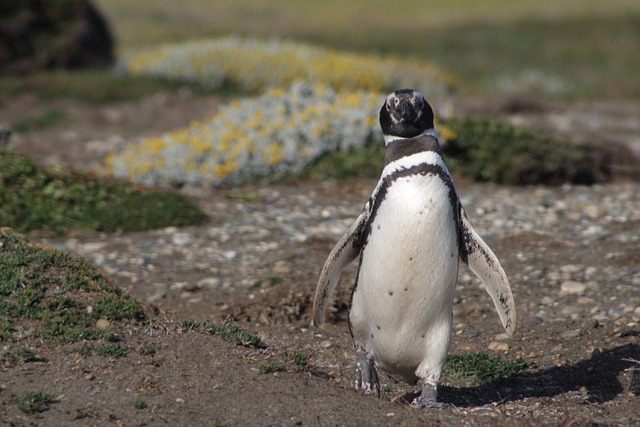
{"type": "Point", "coordinates": [276, 134]}
{"type": "Point", "coordinates": [488, 150]}
{"type": "Point", "coordinates": [254, 65]}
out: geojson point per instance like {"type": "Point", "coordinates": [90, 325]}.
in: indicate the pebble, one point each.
{"type": "Point", "coordinates": [572, 288]}
{"type": "Point", "coordinates": [572, 333]}
{"type": "Point", "coordinates": [498, 346]}
{"type": "Point", "coordinates": [287, 232]}
{"type": "Point", "coordinates": [103, 324]}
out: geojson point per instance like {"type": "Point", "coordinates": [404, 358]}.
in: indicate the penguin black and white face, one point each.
{"type": "Point", "coordinates": [405, 113]}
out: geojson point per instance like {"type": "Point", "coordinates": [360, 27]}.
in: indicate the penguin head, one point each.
{"type": "Point", "coordinates": [405, 113]}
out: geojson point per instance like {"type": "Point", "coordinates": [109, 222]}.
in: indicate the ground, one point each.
{"type": "Point", "coordinates": [572, 255]}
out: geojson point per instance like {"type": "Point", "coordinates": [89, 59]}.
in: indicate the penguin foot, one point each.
{"type": "Point", "coordinates": [428, 398]}
{"type": "Point", "coordinates": [366, 375]}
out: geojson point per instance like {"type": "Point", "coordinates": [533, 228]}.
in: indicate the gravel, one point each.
{"type": "Point", "coordinates": [571, 244]}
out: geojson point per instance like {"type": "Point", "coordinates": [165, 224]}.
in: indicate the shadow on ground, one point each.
{"type": "Point", "coordinates": [598, 377]}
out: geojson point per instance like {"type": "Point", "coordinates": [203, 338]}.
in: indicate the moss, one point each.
{"type": "Point", "coordinates": [54, 295]}
{"type": "Point", "coordinates": [475, 368]}
{"type": "Point", "coordinates": [32, 198]}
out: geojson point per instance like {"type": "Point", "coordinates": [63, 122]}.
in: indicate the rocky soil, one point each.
{"type": "Point", "coordinates": [572, 255]}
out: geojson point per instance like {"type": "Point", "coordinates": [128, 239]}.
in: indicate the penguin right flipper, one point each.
{"type": "Point", "coordinates": [484, 264]}
{"type": "Point", "coordinates": [346, 250]}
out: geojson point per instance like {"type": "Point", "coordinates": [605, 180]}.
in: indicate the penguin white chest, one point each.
{"type": "Point", "coordinates": [401, 310]}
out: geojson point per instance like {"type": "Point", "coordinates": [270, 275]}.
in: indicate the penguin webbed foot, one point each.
{"type": "Point", "coordinates": [428, 397]}
{"type": "Point", "coordinates": [366, 377]}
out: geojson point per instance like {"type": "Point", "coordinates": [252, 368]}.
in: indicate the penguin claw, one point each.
{"type": "Point", "coordinates": [428, 398]}
{"type": "Point", "coordinates": [366, 377]}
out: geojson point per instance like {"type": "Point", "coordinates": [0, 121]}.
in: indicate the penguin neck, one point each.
{"type": "Point", "coordinates": [429, 132]}
{"type": "Point", "coordinates": [398, 148]}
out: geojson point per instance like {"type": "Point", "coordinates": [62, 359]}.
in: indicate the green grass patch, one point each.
{"type": "Point", "coordinates": [300, 357]}
{"type": "Point", "coordinates": [54, 295]}
{"type": "Point", "coordinates": [111, 350]}
{"type": "Point", "coordinates": [47, 119]}
{"type": "Point", "coordinates": [226, 330]}
{"type": "Point", "coordinates": [273, 366]}
{"type": "Point", "coordinates": [32, 197]}
{"type": "Point", "coordinates": [147, 349]}
{"type": "Point", "coordinates": [139, 403]}
{"type": "Point", "coordinates": [474, 368]}
{"type": "Point", "coordinates": [23, 355]}
{"type": "Point", "coordinates": [32, 401]}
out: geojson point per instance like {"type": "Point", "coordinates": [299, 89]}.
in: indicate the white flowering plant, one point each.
{"type": "Point", "coordinates": [272, 135]}
{"type": "Point", "coordinates": [255, 65]}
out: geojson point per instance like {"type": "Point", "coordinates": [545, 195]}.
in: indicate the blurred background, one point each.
{"type": "Point", "coordinates": [573, 48]}
{"type": "Point", "coordinates": [100, 85]}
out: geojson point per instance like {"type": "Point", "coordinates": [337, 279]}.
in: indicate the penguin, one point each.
{"type": "Point", "coordinates": [409, 238]}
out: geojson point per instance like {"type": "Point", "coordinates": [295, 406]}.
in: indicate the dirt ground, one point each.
{"type": "Point", "coordinates": [580, 369]}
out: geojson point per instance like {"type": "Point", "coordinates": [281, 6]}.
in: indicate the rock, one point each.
{"type": "Point", "coordinates": [572, 333]}
{"type": "Point", "coordinates": [572, 288]}
{"type": "Point", "coordinates": [40, 35]}
{"type": "Point", "coordinates": [498, 346]}
{"type": "Point", "coordinates": [103, 324]}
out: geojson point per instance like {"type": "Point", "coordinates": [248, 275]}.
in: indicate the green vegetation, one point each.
{"type": "Point", "coordinates": [273, 366]}
{"type": "Point", "coordinates": [111, 350]}
{"type": "Point", "coordinates": [225, 330]}
{"type": "Point", "coordinates": [56, 296]}
{"type": "Point", "coordinates": [32, 197]}
{"type": "Point", "coordinates": [43, 121]}
{"type": "Point", "coordinates": [18, 354]}
{"type": "Point", "coordinates": [32, 401]}
{"type": "Point", "coordinates": [474, 368]}
{"type": "Point", "coordinates": [139, 403]}
{"type": "Point", "coordinates": [147, 349]}
{"type": "Point", "coordinates": [300, 357]}
{"type": "Point", "coordinates": [488, 150]}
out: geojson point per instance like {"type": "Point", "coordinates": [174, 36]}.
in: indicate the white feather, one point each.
{"type": "Point", "coordinates": [407, 277]}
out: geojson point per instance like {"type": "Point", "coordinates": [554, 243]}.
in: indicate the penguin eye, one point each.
{"type": "Point", "coordinates": [396, 101]}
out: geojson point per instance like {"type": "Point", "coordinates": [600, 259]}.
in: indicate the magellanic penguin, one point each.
{"type": "Point", "coordinates": [409, 237]}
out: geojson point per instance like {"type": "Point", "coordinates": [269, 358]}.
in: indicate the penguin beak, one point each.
{"type": "Point", "coordinates": [407, 112]}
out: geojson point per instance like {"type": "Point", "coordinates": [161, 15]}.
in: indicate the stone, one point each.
{"type": "Point", "coordinates": [103, 324]}
{"type": "Point", "coordinates": [570, 287]}
{"type": "Point", "coordinates": [572, 333]}
{"type": "Point", "coordinates": [41, 35]}
{"type": "Point", "coordinates": [498, 346]}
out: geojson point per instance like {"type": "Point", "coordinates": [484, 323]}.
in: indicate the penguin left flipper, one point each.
{"type": "Point", "coordinates": [346, 250]}
{"type": "Point", "coordinates": [484, 264]}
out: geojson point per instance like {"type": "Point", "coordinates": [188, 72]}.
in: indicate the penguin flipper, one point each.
{"type": "Point", "coordinates": [484, 264]}
{"type": "Point", "coordinates": [346, 250]}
